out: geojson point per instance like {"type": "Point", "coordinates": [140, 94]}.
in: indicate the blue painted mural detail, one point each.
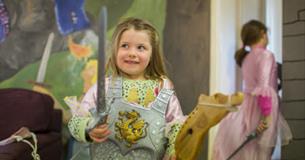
{"type": "Point", "coordinates": [70, 16]}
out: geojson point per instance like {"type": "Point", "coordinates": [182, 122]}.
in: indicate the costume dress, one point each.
{"type": "Point", "coordinates": [260, 79]}
{"type": "Point", "coordinates": [139, 125]}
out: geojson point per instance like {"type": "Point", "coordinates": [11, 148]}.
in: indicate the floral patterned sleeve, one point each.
{"type": "Point", "coordinates": [77, 126]}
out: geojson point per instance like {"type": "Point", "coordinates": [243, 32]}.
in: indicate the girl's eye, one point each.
{"type": "Point", "coordinates": [141, 48]}
{"type": "Point", "coordinates": [124, 45]}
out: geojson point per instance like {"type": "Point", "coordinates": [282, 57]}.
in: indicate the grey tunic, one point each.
{"type": "Point", "coordinates": [137, 132]}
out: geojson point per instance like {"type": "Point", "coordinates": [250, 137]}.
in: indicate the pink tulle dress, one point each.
{"type": "Point", "coordinates": [260, 79]}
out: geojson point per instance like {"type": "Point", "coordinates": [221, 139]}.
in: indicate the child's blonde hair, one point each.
{"type": "Point", "coordinates": [156, 68]}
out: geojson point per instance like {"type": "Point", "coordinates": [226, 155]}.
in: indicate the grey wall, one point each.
{"type": "Point", "coordinates": [187, 47]}
{"type": "Point", "coordinates": [293, 104]}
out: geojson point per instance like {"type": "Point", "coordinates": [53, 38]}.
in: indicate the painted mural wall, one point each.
{"type": "Point", "coordinates": [72, 63]}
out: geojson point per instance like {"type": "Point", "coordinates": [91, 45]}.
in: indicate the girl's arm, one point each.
{"type": "Point", "coordinates": [264, 90]}
{"type": "Point", "coordinates": [174, 119]}
{"type": "Point", "coordinates": [78, 123]}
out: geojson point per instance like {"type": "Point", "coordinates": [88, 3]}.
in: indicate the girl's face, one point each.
{"type": "Point", "coordinates": [134, 52]}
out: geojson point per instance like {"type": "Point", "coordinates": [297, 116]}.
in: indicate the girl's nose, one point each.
{"type": "Point", "coordinates": [132, 53]}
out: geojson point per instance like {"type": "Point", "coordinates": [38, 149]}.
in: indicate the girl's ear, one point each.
{"type": "Point", "coordinates": [265, 37]}
{"type": "Point", "coordinates": [261, 34]}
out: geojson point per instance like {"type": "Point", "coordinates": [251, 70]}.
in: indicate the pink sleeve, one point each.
{"type": "Point", "coordinates": [90, 97]}
{"type": "Point", "coordinates": [173, 115]}
{"type": "Point", "coordinates": [263, 76]}
{"type": "Point", "coordinates": [264, 90]}
{"type": "Point", "coordinates": [174, 112]}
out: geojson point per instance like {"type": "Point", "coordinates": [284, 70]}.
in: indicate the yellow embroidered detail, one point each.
{"type": "Point", "coordinates": [130, 127]}
{"type": "Point", "coordinates": [135, 91]}
{"type": "Point", "coordinates": [133, 95]}
{"type": "Point", "coordinates": [149, 97]}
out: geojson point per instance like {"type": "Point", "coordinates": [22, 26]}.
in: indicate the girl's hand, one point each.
{"type": "Point", "coordinates": [99, 133]}
{"type": "Point", "coordinates": [263, 124]}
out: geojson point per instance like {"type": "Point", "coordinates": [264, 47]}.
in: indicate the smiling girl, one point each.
{"type": "Point", "coordinates": [145, 113]}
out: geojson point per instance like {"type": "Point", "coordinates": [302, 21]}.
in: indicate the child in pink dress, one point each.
{"type": "Point", "coordinates": [260, 110]}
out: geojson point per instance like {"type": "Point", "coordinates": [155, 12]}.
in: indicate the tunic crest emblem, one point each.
{"type": "Point", "coordinates": [130, 127]}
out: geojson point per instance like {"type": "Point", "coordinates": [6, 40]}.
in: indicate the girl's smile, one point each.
{"type": "Point", "coordinates": [131, 62]}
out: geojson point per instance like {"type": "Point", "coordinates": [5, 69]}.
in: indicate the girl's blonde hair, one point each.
{"type": "Point", "coordinates": [156, 68]}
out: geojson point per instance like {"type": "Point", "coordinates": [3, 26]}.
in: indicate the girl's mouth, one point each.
{"type": "Point", "coordinates": [131, 62]}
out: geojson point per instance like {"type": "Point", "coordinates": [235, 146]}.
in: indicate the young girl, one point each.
{"type": "Point", "coordinates": [143, 107]}
{"type": "Point", "coordinates": [260, 109]}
